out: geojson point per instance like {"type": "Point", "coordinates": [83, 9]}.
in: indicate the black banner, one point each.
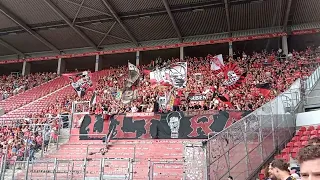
{"type": "Point", "coordinates": [181, 125]}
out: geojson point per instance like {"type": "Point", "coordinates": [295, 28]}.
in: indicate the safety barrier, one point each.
{"type": "Point", "coordinates": [55, 169]}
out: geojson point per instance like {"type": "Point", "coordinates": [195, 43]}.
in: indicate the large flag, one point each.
{"type": "Point", "coordinates": [232, 75]}
{"type": "Point", "coordinates": [216, 62]}
{"type": "Point", "coordinates": [129, 94]}
{"type": "Point", "coordinates": [172, 75]}
{"type": "Point", "coordinates": [81, 82]}
{"type": "Point", "coordinates": [134, 72]}
{"type": "Point", "coordinates": [264, 89]}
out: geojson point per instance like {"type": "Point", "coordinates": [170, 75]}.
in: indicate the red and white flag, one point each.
{"type": "Point", "coordinates": [216, 62]}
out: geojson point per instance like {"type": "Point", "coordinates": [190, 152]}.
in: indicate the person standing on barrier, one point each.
{"type": "Point", "coordinates": [280, 169]}
{"type": "Point", "coordinates": [309, 159]}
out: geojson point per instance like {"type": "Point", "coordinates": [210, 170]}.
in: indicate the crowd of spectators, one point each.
{"type": "Point", "coordinates": [21, 139]}
{"type": "Point", "coordinates": [259, 68]}
{"type": "Point", "coordinates": [15, 83]}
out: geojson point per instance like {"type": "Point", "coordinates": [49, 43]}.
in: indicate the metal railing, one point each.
{"type": "Point", "coordinates": [311, 81]}
{"type": "Point", "coordinates": [56, 169]}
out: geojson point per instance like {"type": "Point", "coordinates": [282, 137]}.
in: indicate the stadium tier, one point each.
{"type": "Point", "coordinates": [54, 112]}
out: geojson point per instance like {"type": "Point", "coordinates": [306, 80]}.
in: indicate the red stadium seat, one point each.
{"type": "Point", "coordinates": [286, 157]}
{"type": "Point", "coordinates": [290, 145]}
{"type": "Point", "coordinates": [314, 132]}
{"type": "Point", "coordinates": [303, 128]}
{"type": "Point", "coordinates": [310, 128]}
{"type": "Point", "coordinates": [285, 151]}
{"type": "Point", "coordinates": [306, 133]}
{"type": "Point", "coordinates": [304, 138]}
{"type": "Point", "coordinates": [297, 144]}
{"type": "Point", "coordinates": [313, 136]}
{"type": "Point", "coordinates": [295, 139]}
{"type": "Point", "coordinates": [318, 127]}
{"type": "Point", "coordinates": [304, 143]}
{"type": "Point", "coordinates": [295, 150]}
{"type": "Point", "coordinates": [299, 133]}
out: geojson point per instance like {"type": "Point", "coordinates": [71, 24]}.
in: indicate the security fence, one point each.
{"type": "Point", "coordinates": [238, 150]}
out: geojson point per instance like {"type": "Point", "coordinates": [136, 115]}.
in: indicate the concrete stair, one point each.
{"type": "Point", "coordinates": [163, 159]}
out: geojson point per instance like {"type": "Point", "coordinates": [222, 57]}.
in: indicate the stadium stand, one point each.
{"type": "Point", "coordinates": [12, 85]}
{"type": "Point", "coordinates": [247, 98]}
{"type": "Point", "coordinates": [137, 151]}
{"type": "Point", "coordinates": [224, 124]}
{"type": "Point", "coordinates": [32, 94]}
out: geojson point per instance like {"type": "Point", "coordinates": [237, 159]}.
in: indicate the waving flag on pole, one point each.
{"type": "Point", "coordinates": [232, 75]}
{"type": "Point", "coordinates": [134, 72]}
{"type": "Point", "coordinates": [216, 62]}
{"type": "Point", "coordinates": [129, 94]}
{"type": "Point", "coordinates": [81, 82]}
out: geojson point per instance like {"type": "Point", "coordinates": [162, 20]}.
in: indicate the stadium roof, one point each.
{"type": "Point", "coordinates": [56, 26]}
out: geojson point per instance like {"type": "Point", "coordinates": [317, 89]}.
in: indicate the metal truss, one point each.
{"type": "Point", "coordinates": [10, 47]}
{"type": "Point", "coordinates": [173, 21]}
{"type": "Point", "coordinates": [66, 19]}
{"type": "Point", "coordinates": [226, 7]}
{"type": "Point", "coordinates": [115, 15]}
{"type": "Point", "coordinates": [24, 26]}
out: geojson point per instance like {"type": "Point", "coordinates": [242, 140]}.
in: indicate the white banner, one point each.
{"type": "Point", "coordinates": [174, 75]}
{"type": "Point", "coordinates": [216, 62]}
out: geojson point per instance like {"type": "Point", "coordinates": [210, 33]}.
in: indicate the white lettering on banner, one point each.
{"type": "Point", "coordinates": [197, 98]}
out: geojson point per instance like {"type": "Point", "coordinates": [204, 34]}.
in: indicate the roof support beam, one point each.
{"type": "Point", "coordinates": [89, 8]}
{"type": "Point", "coordinates": [22, 24]}
{"type": "Point", "coordinates": [173, 21]}
{"type": "Point", "coordinates": [114, 14]}
{"type": "Point", "coordinates": [10, 47]}
{"type": "Point", "coordinates": [75, 17]}
{"type": "Point", "coordinates": [226, 7]}
{"type": "Point", "coordinates": [108, 32]}
{"type": "Point", "coordinates": [66, 19]}
{"type": "Point", "coordinates": [286, 16]}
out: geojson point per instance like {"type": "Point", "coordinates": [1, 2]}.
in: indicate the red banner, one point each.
{"type": "Point", "coordinates": [215, 41]}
